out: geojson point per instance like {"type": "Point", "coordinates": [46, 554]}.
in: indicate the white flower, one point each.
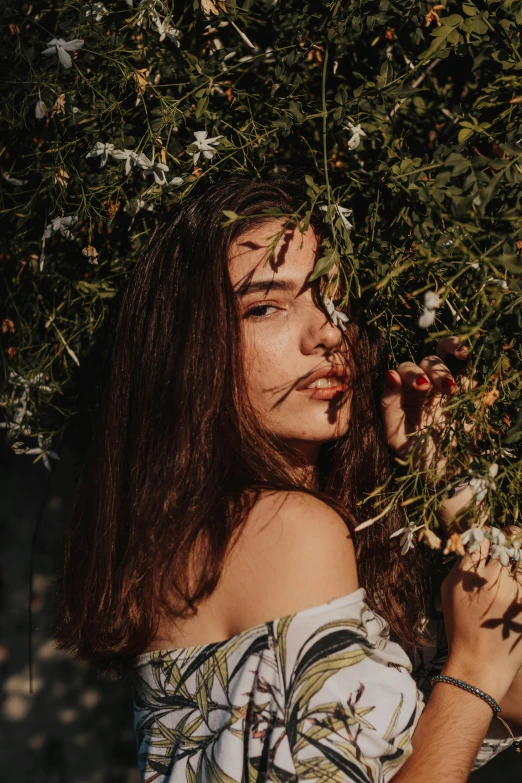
{"type": "Point", "coordinates": [136, 204]}
{"type": "Point", "coordinates": [40, 110]}
{"type": "Point", "coordinates": [103, 149]}
{"type": "Point", "coordinates": [474, 537]}
{"type": "Point", "coordinates": [140, 160]}
{"type": "Point", "coordinates": [357, 134]}
{"type": "Point", "coordinates": [176, 182]}
{"type": "Point", "coordinates": [129, 156]}
{"type": "Point", "coordinates": [17, 407]}
{"type": "Point", "coordinates": [496, 536]}
{"type": "Point", "coordinates": [496, 281]}
{"type": "Point", "coordinates": [480, 485]}
{"type": "Point", "coordinates": [14, 180]}
{"type": "Point", "coordinates": [165, 31]}
{"type": "Point", "coordinates": [431, 302]}
{"type": "Point", "coordinates": [46, 453]}
{"type": "Point", "coordinates": [60, 224]}
{"type": "Point", "coordinates": [97, 10]}
{"type": "Point", "coordinates": [499, 552]}
{"type": "Point", "coordinates": [343, 212]}
{"type": "Point", "coordinates": [338, 318]}
{"type": "Point", "coordinates": [204, 145]}
{"type": "Point", "coordinates": [61, 47]}
{"type": "Point", "coordinates": [406, 541]}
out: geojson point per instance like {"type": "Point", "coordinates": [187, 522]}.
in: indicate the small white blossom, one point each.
{"type": "Point", "coordinates": [357, 134]}
{"type": "Point", "coordinates": [14, 180]}
{"type": "Point", "coordinates": [46, 453]}
{"type": "Point", "coordinates": [60, 224]}
{"type": "Point", "coordinates": [166, 31]}
{"type": "Point", "coordinates": [496, 281]}
{"type": "Point", "coordinates": [61, 47]}
{"type": "Point", "coordinates": [496, 536]}
{"type": "Point", "coordinates": [204, 145]}
{"type": "Point", "coordinates": [431, 302]}
{"type": "Point", "coordinates": [480, 485]}
{"type": "Point", "coordinates": [474, 536]}
{"type": "Point", "coordinates": [101, 149]}
{"type": "Point", "coordinates": [40, 110]}
{"type": "Point", "coordinates": [499, 552]}
{"type": "Point", "coordinates": [97, 10]}
{"type": "Point", "coordinates": [337, 317]}
{"type": "Point", "coordinates": [136, 204]}
{"type": "Point", "coordinates": [17, 408]}
{"type": "Point", "coordinates": [343, 213]}
{"type": "Point", "coordinates": [406, 534]}
{"type": "Point", "coordinates": [514, 552]}
{"type": "Point", "coordinates": [129, 156]}
{"type": "Point", "coordinates": [176, 182]}
{"type": "Point", "coordinates": [140, 160]}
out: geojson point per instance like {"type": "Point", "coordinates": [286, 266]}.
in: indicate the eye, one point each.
{"type": "Point", "coordinates": [257, 312]}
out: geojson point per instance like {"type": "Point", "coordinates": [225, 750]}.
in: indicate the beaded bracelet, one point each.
{"type": "Point", "coordinates": [484, 696]}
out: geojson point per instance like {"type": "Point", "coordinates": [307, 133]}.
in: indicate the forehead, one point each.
{"type": "Point", "coordinates": [293, 260]}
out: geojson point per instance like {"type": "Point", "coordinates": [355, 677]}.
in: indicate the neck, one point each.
{"type": "Point", "coordinates": [307, 468]}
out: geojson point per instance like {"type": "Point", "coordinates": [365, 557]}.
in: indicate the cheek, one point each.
{"type": "Point", "coordinates": [268, 364]}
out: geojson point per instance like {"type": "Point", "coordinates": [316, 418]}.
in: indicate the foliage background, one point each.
{"type": "Point", "coordinates": [426, 198]}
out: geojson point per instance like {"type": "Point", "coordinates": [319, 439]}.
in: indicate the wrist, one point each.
{"type": "Point", "coordinates": [489, 680]}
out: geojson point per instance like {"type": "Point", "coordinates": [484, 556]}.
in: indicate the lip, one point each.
{"type": "Point", "coordinates": [325, 394]}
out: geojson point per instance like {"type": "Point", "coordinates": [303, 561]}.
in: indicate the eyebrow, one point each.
{"type": "Point", "coordinates": [265, 285]}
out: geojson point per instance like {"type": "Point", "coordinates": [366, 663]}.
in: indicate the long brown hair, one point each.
{"type": "Point", "coordinates": [169, 468]}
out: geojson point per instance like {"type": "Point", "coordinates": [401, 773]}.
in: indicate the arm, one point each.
{"type": "Point", "coordinates": [450, 731]}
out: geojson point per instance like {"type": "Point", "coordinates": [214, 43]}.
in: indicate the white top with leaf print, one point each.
{"type": "Point", "coordinates": [322, 694]}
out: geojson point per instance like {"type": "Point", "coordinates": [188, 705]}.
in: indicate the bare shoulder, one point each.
{"type": "Point", "coordinates": [295, 552]}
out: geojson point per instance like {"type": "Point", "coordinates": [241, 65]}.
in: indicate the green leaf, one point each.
{"type": "Point", "coordinates": [465, 134]}
{"type": "Point", "coordinates": [232, 216]}
{"type": "Point", "coordinates": [296, 111]}
{"type": "Point", "coordinates": [512, 262]}
{"type": "Point", "coordinates": [202, 106]}
{"type": "Point", "coordinates": [324, 264]}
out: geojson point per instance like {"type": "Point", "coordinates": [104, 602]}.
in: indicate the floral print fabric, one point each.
{"type": "Point", "coordinates": [322, 694]}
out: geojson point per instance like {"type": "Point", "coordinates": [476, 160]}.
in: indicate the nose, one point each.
{"type": "Point", "coordinates": [319, 334]}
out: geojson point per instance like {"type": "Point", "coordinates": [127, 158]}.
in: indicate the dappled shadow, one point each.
{"type": "Point", "coordinates": [76, 726]}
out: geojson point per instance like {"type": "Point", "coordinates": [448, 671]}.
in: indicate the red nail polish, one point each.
{"type": "Point", "coordinates": [391, 380]}
{"type": "Point", "coordinates": [422, 381]}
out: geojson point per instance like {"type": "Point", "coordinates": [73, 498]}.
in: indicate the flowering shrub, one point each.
{"type": "Point", "coordinates": [405, 118]}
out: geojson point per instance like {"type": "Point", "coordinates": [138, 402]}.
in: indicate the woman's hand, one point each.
{"type": "Point", "coordinates": [414, 399]}
{"type": "Point", "coordinates": [482, 606]}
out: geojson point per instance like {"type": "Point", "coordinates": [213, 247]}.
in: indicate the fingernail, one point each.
{"type": "Point", "coordinates": [422, 380]}
{"type": "Point", "coordinates": [391, 380]}
{"type": "Point", "coordinates": [449, 384]}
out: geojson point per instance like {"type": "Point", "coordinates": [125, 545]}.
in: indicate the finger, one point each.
{"type": "Point", "coordinates": [469, 383]}
{"type": "Point", "coordinates": [476, 561]}
{"type": "Point", "coordinates": [452, 345]}
{"type": "Point", "coordinates": [413, 377]}
{"type": "Point", "coordinates": [438, 374]}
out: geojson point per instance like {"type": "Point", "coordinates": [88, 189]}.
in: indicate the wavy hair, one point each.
{"type": "Point", "coordinates": [169, 470]}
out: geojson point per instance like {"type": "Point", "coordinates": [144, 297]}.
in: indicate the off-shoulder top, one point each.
{"type": "Point", "coordinates": [321, 694]}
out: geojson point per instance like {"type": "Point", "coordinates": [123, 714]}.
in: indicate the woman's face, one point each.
{"type": "Point", "coordinates": [288, 339]}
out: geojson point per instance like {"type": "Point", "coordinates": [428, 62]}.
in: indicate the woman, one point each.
{"type": "Point", "coordinates": [210, 548]}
